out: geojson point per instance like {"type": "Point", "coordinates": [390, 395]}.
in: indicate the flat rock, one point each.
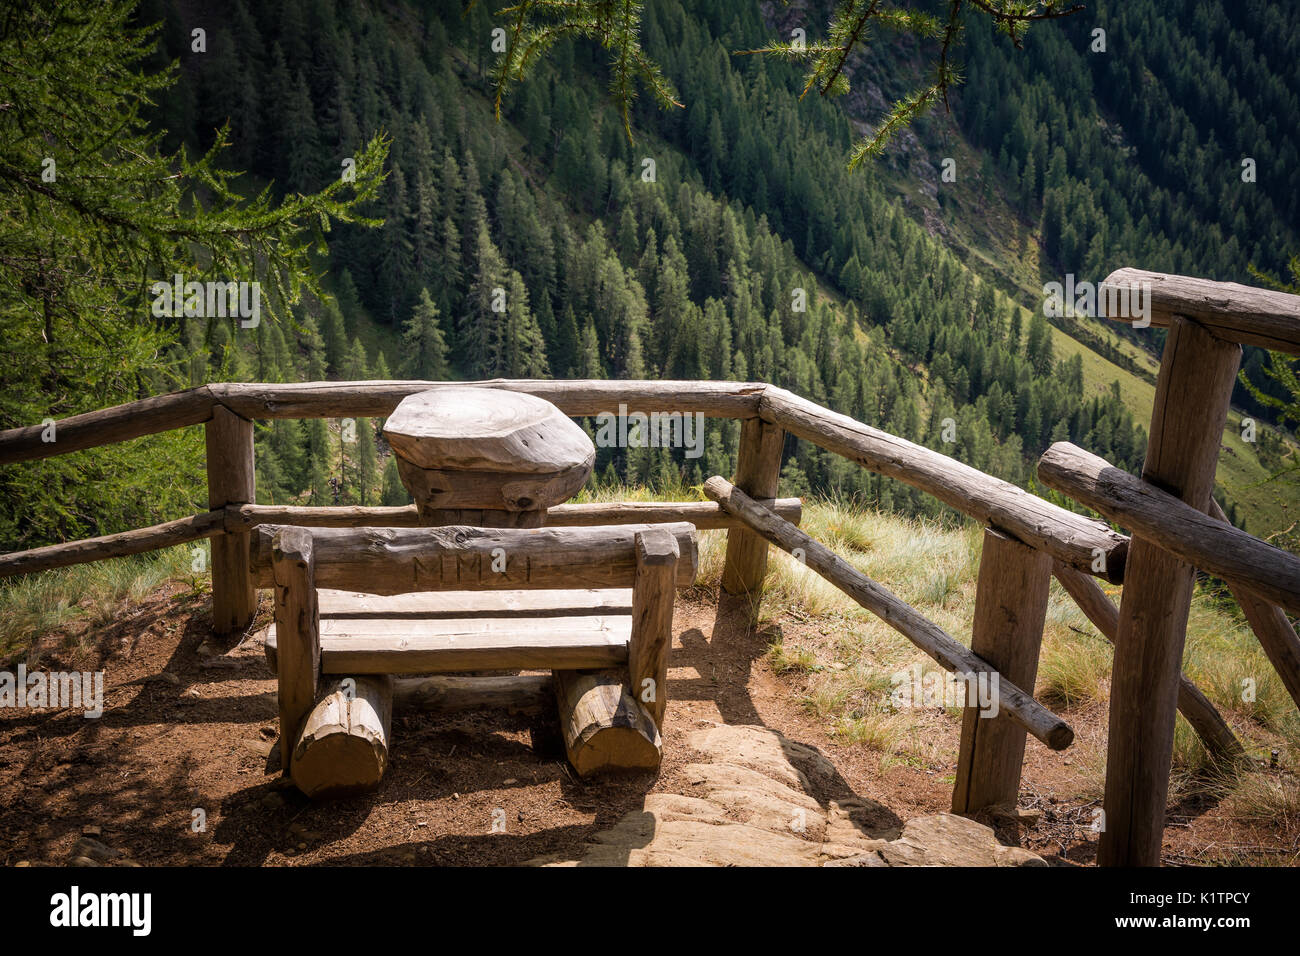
{"type": "Point", "coordinates": [751, 803]}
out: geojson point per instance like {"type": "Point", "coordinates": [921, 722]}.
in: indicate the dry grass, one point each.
{"type": "Point", "coordinates": [35, 604]}
{"type": "Point", "coordinates": [847, 660]}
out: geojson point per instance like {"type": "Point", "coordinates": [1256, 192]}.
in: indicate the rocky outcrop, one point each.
{"type": "Point", "coordinates": [750, 802]}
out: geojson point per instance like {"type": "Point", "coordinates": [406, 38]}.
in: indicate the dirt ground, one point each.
{"type": "Point", "coordinates": [180, 769]}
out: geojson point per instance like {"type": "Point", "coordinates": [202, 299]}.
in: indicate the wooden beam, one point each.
{"type": "Point", "coordinates": [297, 626]}
{"type": "Point", "coordinates": [603, 727]}
{"type": "Point", "coordinates": [575, 397]}
{"type": "Point", "coordinates": [574, 602]}
{"type": "Point", "coordinates": [247, 517]}
{"type": "Point", "coordinates": [926, 635]}
{"type": "Point", "coordinates": [1078, 541]}
{"type": "Point", "coordinates": [1010, 610]}
{"type": "Point", "coordinates": [456, 558]}
{"type": "Point", "coordinates": [1236, 313]}
{"type": "Point", "coordinates": [453, 694]}
{"type": "Point", "coordinates": [758, 474]}
{"type": "Point", "coordinates": [108, 426]}
{"type": "Point", "coordinates": [343, 747]}
{"type": "Point", "coordinates": [1269, 622]}
{"type": "Point", "coordinates": [1219, 740]}
{"type": "Point", "coordinates": [231, 482]}
{"type": "Point", "coordinates": [446, 646]}
{"type": "Point", "coordinates": [705, 515]}
{"type": "Point", "coordinates": [1180, 529]}
{"type": "Point", "coordinates": [207, 524]}
{"type": "Point", "coordinates": [1193, 389]}
{"type": "Point", "coordinates": [651, 639]}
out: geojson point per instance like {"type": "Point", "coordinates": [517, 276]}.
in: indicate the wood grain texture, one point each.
{"type": "Point", "coordinates": [445, 489]}
{"type": "Point", "coordinates": [1197, 373]}
{"type": "Point", "coordinates": [705, 515]}
{"type": "Point", "coordinates": [926, 635]}
{"type": "Point", "coordinates": [604, 729]}
{"type": "Point", "coordinates": [1064, 535]}
{"type": "Point", "coordinates": [1218, 738]}
{"type": "Point", "coordinates": [297, 624]}
{"type": "Point", "coordinates": [1237, 313]}
{"type": "Point", "coordinates": [107, 426]}
{"type": "Point", "coordinates": [758, 474]}
{"type": "Point", "coordinates": [1190, 534]}
{"type": "Point", "coordinates": [1010, 610]}
{"type": "Point", "coordinates": [453, 694]}
{"type": "Point", "coordinates": [207, 524]}
{"type": "Point", "coordinates": [1269, 622]}
{"type": "Point", "coordinates": [486, 429]}
{"type": "Point", "coordinates": [575, 397]}
{"type": "Point", "coordinates": [230, 482]}
{"type": "Point", "coordinates": [443, 646]}
{"type": "Point", "coordinates": [651, 638]}
{"type": "Point", "coordinates": [456, 558]}
{"type": "Point", "coordinates": [343, 747]}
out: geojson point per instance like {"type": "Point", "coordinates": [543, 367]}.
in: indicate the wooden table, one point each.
{"type": "Point", "coordinates": [487, 457]}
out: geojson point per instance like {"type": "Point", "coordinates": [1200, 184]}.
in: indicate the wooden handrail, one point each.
{"type": "Point", "coordinates": [705, 515]}
{"type": "Point", "coordinates": [902, 617]}
{"type": "Point", "coordinates": [1066, 536]}
{"type": "Point", "coordinates": [207, 524]}
{"type": "Point", "coordinates": [576, 398]}
{"type": "Point", "coordinates": [1174, 526]}
{"type": "Point", "coordinates": [107, 426]}
{"type": "Point", "coordinates": [1238, 313]}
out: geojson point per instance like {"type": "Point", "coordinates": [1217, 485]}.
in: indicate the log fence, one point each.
{"type": "Point", "coordinates": [1174, 521]}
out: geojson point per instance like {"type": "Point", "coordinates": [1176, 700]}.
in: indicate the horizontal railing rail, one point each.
{"type": "Point", "coordinates": [1079, 541]}
{"type": "Point", "coordinates": [1237, 313]}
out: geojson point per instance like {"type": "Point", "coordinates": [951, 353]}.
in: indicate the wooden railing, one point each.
{"type": "Point", "coordinates": [1027, 539]}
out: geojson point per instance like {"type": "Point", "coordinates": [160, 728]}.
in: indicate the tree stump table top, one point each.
{"type": "Point", "coordinates": [486, 456]}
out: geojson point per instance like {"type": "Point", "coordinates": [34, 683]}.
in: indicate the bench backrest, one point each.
{"type": "Point", "coordinates": [461, 558]}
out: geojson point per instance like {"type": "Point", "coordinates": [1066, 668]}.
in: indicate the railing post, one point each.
{"type": "Point", "coordinates": [1010, 610]}
{"type": "Point", "coordinates": [758, 473]}
{"type": "Point", "coordinates": [230, 482]}
{"type": "Point", "coordinates": [1197, 373]}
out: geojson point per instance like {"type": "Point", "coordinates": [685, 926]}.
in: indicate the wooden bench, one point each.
{"type": "Point", "coordinates": [355, 606]}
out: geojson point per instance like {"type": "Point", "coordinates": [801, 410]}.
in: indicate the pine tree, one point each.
{"type": "Point", "coordinates": [367, 462]}
{"type": "Point", "coordinates": [424, 345]}
{"type": "Point", "coordinates": [89, 241]}
{"type": "Point", "coordinates": [394, 493]}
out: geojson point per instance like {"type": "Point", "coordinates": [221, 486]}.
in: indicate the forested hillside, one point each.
{"type": "Point", "coordinates": [728, 240]}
